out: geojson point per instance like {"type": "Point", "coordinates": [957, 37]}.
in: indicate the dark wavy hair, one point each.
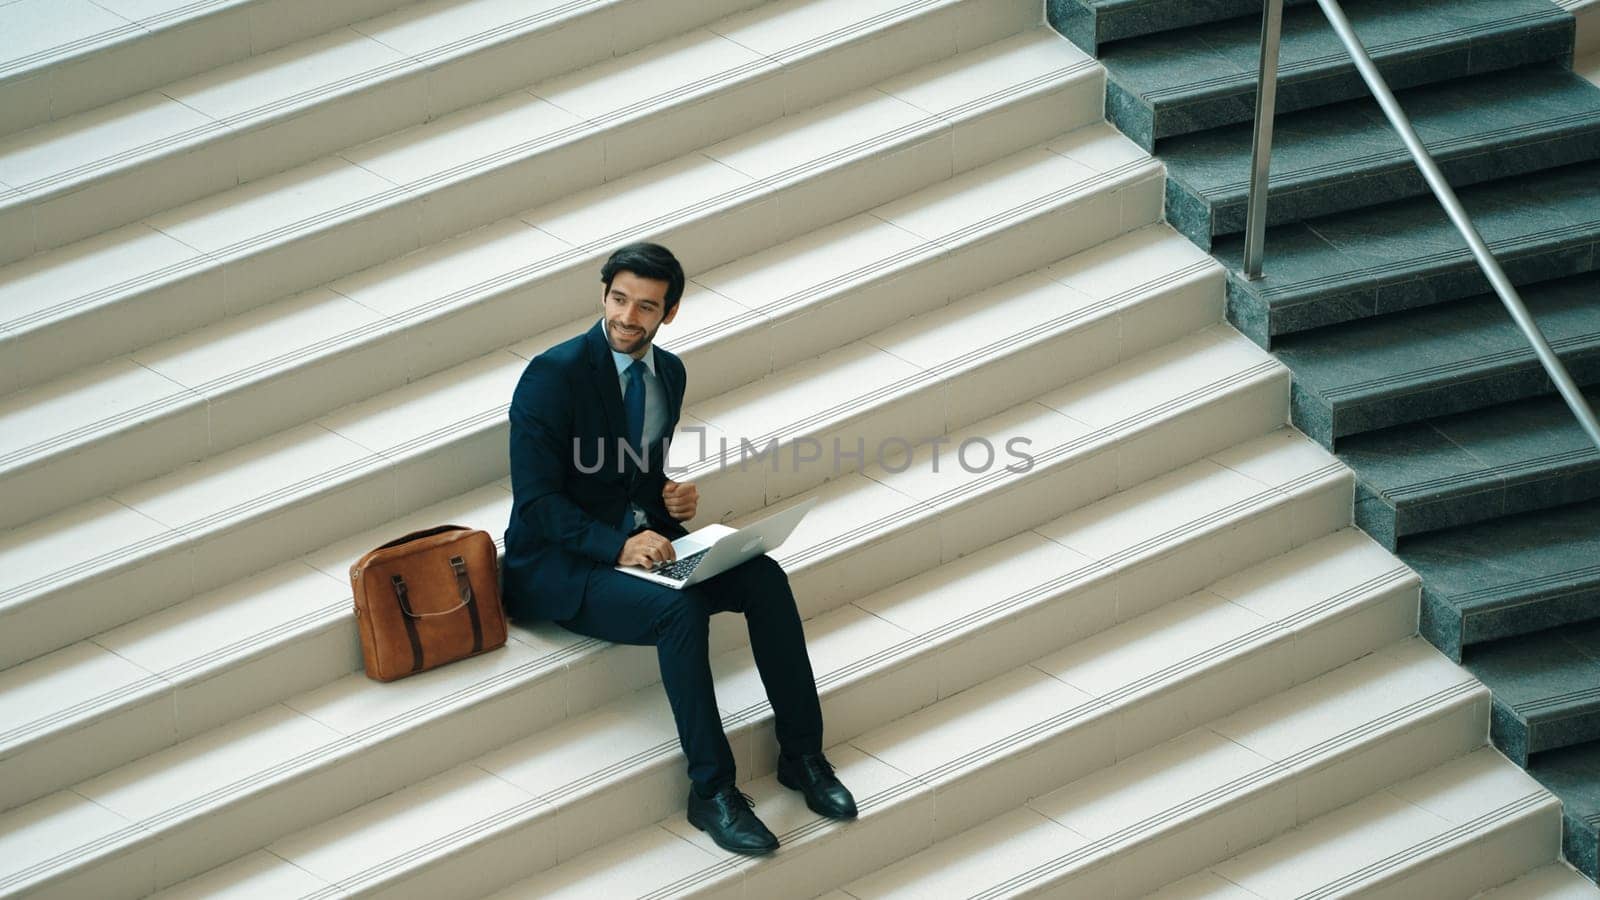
{"type": "Point", "coordinates": [646, 260]}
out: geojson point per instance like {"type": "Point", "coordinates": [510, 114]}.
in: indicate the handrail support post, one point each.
{"type": "Point", "coordinates": [1261, 147]}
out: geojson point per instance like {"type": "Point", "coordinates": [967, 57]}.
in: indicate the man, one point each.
{"type": "Point", "coordinates": [590, 423]}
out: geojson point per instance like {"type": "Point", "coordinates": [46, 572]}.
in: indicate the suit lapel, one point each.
{"type": "Point", "coordinates": [674, 386]}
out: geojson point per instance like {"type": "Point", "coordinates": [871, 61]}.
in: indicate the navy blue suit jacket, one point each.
{"type": "Point", "coordinates": [565, 522]}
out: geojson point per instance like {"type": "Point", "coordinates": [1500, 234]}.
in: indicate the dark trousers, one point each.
{"type": "Point", "coordinates": [628, 610]}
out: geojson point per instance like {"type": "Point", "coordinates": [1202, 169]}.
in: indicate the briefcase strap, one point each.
{"type": "Point", "coordinates": [410, 620]}
{"type": "Point", "coordinates": [469, 600]}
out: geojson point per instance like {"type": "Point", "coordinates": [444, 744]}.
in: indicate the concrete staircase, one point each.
{"type": "Point", "coordinates": [1467, 463]}
{"type": "Point", "coordinates": [272, 269]}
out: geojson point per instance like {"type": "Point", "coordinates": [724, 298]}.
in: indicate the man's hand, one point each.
{"type": "Point", "coordinates": [681, 499]}
{"type": "Point", "coordinates": [645, 550]}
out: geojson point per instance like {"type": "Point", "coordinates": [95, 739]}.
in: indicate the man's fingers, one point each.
{"type": "Point", "coordinates": [657, 549]}
{"type": "Point", "coordinates": [649, 549]}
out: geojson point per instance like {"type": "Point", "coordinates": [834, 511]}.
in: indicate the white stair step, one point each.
{"type": "Point", "coordinates": [1449, 832]}
{"type": "Point", "coordinates": [928, 375]}
{"type": "Point", "coordinates": [117, 164]}
{"type": "Point", "coordinates": [1200, 362]}
{"type": "Point", "coordinates": [288, 232]}
{"type": "Point", "coordinates": [870, 272]}
{"type": "Point", "coordinates": [230, 125]}
{"type": "Point", "coordinates": [1554, 881]}
{"type": "Point", "coordinates": [492, 699]}
{"type": "Point", "coordinates": [935, 762]}
{"type": "Point", "coordinates": [422, 443]}
{"type": "Point", "coordinates": [66, 56]}
{"type": "Point", "coordinates": [1170, 810]}
{"type": "Point", "coordinates": [429, 310]}
{"type": "Point", "coordinates": [247, 376]}
{"type": "Point", "coordinates": [585, 781]}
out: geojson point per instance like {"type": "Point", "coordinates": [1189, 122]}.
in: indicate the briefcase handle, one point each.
{"type": "Point", "coordinates": [463, 589]}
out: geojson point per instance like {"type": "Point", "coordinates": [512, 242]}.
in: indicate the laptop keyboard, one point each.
{"type": "Point", "coordinates": [681, 568]}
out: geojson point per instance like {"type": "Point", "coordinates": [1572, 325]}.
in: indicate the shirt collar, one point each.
{"type": "Point", "coordinates": [623, 360]}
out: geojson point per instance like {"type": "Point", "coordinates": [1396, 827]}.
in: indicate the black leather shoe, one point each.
{"type": "Point", "coordinates": [812, 775]}
{"type": "Point", "coordinates": [729, 817]}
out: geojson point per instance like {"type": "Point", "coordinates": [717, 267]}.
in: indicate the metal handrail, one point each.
{"type": "Point", "coordinates": [1260, 164]}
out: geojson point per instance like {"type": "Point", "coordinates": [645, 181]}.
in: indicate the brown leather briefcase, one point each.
{"type": "Point", "coordinates": [426, 599]}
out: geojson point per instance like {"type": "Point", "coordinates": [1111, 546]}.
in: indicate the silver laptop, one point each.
{"type": "Point", "coordinates": [707, 552]}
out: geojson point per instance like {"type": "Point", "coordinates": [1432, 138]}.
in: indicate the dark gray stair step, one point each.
{"type": "Point", "coordinates": [1346, 156]}
{"type": "Point", "coordinates": [1452, 357]}
{"type": "Point", "coordinates": [1546, 689]}
{"type": "Point", "coordinates": [1192, 79]}
{"type": "Point", "coordinates": [1406, 254]}
{"type": "Point", "coordinates": [1471, 467]}
{"type": "Point", "coordinates": [1510, 576]}
{"type": "Point", "coordinates": [1573, 775]}
{"type": "Point", "coordinates": [1093, 23]}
